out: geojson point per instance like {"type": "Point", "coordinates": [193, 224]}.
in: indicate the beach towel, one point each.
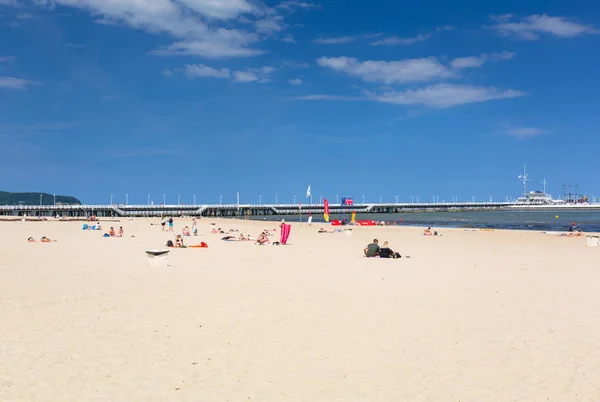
{"type": "Point", "coordinates": [285, 233]}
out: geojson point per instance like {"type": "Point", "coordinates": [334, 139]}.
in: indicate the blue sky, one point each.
{"type": "Point", "coordinates": [378, 98]}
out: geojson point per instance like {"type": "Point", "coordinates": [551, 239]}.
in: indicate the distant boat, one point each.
{"type": "Point", "coordinates": [537, 198]}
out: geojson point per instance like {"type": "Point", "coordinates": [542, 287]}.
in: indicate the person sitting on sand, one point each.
{"type": "Point", "coordinates": [262, 239]}
{"type": "Point", "coordinates": [186, 231]}
{"type": "Point", "coordinates": [111, 232]}
{"type": "Point", "coordinates": [179, 241]}
{"type": "Point", "coordinates": [31, 240]}
{"type": "Point", "coordinates": [120, 232]}
{"type": "Point", "coordinates": [427, 232]}
{"type": "Point", "coordinates": [372, 250]}
{"type": "Point", "coordinates": [387, 252]}
{"type": "Point", "coordinates": [44, 239]}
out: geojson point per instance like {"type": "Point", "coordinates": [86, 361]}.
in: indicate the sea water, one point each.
{"type": "Point", "coordinates": [540, 220]}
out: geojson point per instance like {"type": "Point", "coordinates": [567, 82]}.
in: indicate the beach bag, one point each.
{"type": "Point", "coordinates": [169, 243]}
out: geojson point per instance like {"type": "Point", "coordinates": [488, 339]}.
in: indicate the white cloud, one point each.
{"type": "Point", "coordinates": [530, 28]}
{"type": "Point", "coordinates": [206, 28]}
{"type": "Point", "coordinates": [262, 74]}
{"type": "Point", "coordinates": [478, 61]}
{"type": "Point", "coordinates": [16, 83]}
{"type": "Point", "coordinates": [445, 95]}
{"type": "Point", "coordinates": [270, 24]}
{"type": "Point", "coordinates": [435, 96]}
{"type": "Point", "coordinates": [336, 41]}
{"type": "Point", "coordinates": [388, 72]}
{"type": "Point", "coordinates": [296, 81]}
{"type": "Point", "coordinates": [200, 70]}
{"type": "Point", "coordinates": [396, 40]}
{"type": "Point", "coordinates": [245, 76]}
{"type": "Point", "coordinates": [316, 97]}
{"type": "Point", "coordinates": [219, 9]}
{"type": "Point", "coordinates": [288, 39]}
{"type": "Point", "coordinates": [523, 133]}
{"type": "Point", "coordinates": [294, 5]}
{"type": "Point", "coordinates": [295, 65]}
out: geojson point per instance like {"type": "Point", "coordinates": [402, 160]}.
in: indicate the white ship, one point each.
{"type": "Point", "coordinates": [542, 199]}
{"type": "Point", "coordinates": [537, 198]}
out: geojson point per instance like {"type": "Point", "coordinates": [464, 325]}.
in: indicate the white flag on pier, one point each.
{"type": "Point", "coordinates": [308, 192]}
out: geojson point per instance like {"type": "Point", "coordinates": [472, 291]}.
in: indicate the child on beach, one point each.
{"type": "Point", "coordinates": [121, 231]}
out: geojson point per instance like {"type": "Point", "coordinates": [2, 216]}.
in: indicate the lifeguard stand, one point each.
{"type": "Point", "coordinates": [346, 209]}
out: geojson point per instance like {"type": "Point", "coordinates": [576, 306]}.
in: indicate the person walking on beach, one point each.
{"type": "Point", "coordinates": [170, 223]}
{"type": "Point", "coordinates": [162, 223]}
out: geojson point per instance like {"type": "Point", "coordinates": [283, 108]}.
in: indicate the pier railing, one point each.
{"type": "Point", "coordinates": [122, 210]}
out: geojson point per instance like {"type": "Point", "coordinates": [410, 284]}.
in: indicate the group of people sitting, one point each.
{"type": "Point", "coordinates": [373, 250]}
{"type": "Point", "coordinates": [180, 244]}
{"type": "Point", "coordinates": [95, 226]}
{"type": "Point", "coordinates": [43, 239]}
{"type": "Point", "coordinates": [112, 233]}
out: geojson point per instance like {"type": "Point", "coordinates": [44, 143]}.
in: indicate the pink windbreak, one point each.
{"type": "Point", "coordinates": [285, 233]}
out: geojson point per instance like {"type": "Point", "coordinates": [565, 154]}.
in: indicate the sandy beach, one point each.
{"type": "Point", "coordinates": [472, 316]}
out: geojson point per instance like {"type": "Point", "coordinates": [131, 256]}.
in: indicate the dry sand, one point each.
{"type": "Point", "coordinates": [471, 317]}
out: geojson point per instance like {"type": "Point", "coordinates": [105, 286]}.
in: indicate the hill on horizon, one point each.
{"type": "Point", "coordinates": [8, 198]}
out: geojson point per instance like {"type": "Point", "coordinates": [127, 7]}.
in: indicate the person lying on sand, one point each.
{"type": "Point", "coordinates": [387, 252]}
{"type": "Point", "coordinates": [427, 232]}
{"type": "Point", "coordinates": [31, 240]}
{"type": "Point", "coordinates": [262, 239]}
{"type": "Point", "coordinates": [372, 250]}
{"type": "Point", "coordinates": [323, 230]}
{"type": "Point", "coordinates": [243, 238]}
{"type": "Point", "coordinates": [179, 242]}
{"type": "Point", "coordinates": [44, 239]}
{"type": "Point", "coordinates": [571, 234]}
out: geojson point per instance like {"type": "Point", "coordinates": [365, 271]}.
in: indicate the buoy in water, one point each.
{"type": "Point", "coordinates": [556, 216]}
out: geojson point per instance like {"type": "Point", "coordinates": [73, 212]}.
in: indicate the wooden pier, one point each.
{"type": "Point", "coordinates": [235, 210]}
